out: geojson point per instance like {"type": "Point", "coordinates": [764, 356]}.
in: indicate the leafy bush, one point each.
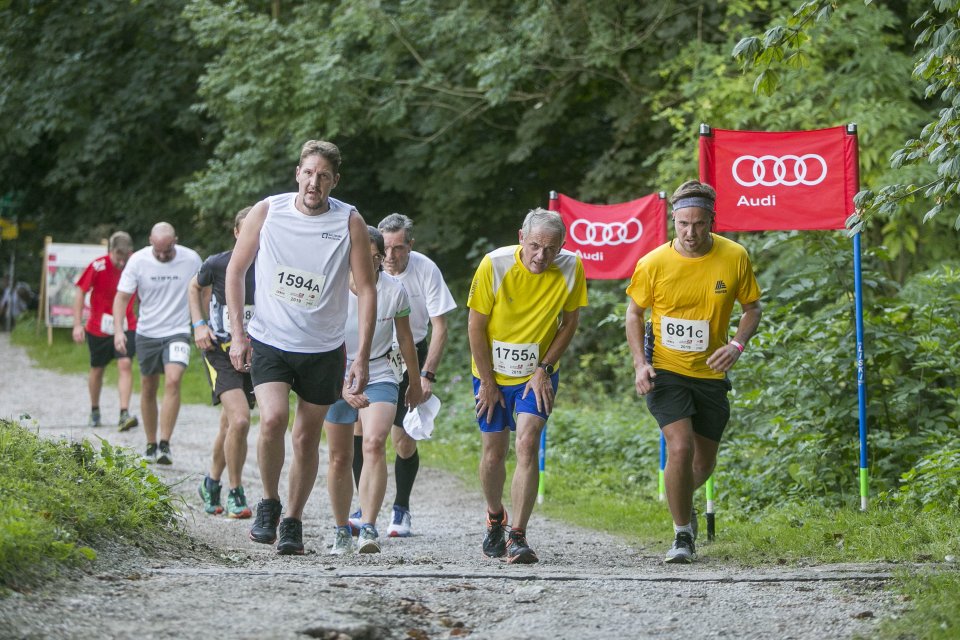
{"type": "Point", "coordinates": [56, 498]}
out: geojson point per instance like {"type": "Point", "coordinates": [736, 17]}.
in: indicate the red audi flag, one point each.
{"type": "Point", "coordinates": [785, 180]}
{"type": "Point", "coordinates": [610, 238]}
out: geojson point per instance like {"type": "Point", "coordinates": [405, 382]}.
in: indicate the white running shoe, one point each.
{"type": "Point", "coordinates": [342, 541]}
{"type": "Point", "coordinates": [400, 527]}
{"type": "Point", "coordinates": [682, 551]}
{"type": "Point", "coordinates": [369, 540]}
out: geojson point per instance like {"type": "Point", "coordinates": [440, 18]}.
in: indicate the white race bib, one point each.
{"type": "Point", "coordinates": [180, 353]}
{"type": "Point", "coordinates": [515, 360]}
{"type": "Point", "coordinates": [296, 287]}
{"type": "Point", "coordinates": [684, 335]}
{"type": "Point", "coordinates": [395, 360]}
{"type": "Point", "coordinates": [106, 324]}
{"type": "Point", "coordinates": [247, 314]}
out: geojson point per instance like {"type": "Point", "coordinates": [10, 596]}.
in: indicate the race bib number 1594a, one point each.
{"type": "Point", "coordinates": [296, 287]}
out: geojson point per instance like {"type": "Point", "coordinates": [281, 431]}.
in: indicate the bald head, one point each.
{"type": "Point", "coordinates": [163, 239]}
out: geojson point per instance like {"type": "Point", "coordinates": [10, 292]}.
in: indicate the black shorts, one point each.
{"type": "Point", "coordinates": [405, 382]}
{"type": "Point", "coordinates": [315, 377]}
{"type": "Point", "coordinates": [102, 350]}
{"type": "Point", "coordinates": [703, 400]}
{"type": "Point", "coordinates": [223, 376]}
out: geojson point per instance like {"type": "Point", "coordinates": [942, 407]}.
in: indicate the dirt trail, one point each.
{"type": "Point", "coordinates": [436, 584]}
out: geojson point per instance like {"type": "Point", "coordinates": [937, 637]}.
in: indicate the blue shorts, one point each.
{"type": "Point", "coordinates": [342, 413]}
{"type": "Point", "coordinates": [504, 417]}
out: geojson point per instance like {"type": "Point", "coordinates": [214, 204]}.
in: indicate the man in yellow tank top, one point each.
{"type": "Point", "coordinates": [518, 292]}
{"type": "Point", "coordinates": [690, 286]}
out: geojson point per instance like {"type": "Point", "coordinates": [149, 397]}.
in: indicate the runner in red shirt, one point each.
{"type": "Point", "coordinates": [100, 279]}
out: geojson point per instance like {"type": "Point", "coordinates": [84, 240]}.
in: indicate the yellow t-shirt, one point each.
{"type": "Point", "coordinates": [523, 308]}
{"type": "Point", "coordinates": [692, 299]}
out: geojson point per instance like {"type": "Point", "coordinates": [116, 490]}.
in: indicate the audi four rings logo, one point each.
{"type": "Point", "coordinates": [789, 170]}
{"type": "Point", "coordinates": [599, 234]}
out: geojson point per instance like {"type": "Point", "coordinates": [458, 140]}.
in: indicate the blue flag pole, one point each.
{"type": "Point", "coordinates": [861, 374]}
{"type": "Point", "coordinates": [541, 484]}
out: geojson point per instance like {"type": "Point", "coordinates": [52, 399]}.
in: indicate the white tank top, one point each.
{"type": "Point", "coordinates": [303, 277]}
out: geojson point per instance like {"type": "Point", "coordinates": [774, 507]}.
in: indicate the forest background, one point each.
{"type": "Point", "coordinates": [464, 115]}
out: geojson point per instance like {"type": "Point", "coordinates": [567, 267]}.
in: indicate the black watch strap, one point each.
{"type": "Point", "coordinates": [429, 375]}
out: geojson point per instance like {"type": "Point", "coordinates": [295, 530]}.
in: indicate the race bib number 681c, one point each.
{"type": "Point", "coordinates": [684, 335]}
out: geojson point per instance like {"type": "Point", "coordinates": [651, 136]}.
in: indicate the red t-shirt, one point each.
{"type": "Point", "coordinates": [102, 277]}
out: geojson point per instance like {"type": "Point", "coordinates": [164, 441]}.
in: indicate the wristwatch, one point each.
{"type": "Point", "coordinates": [546, 366]}
{"type": "Point", "coordinates": [429, 375]}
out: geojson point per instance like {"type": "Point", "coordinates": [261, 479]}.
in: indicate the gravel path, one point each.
{"type": "Point", "coordinates": [437, 584]}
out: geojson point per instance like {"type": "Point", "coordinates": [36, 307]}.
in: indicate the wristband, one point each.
{"type": "Point", "coordinates": [199, 323]}
{"type": "Point", "coordinates": [737, 345]}
{"type": "Point", "coordinates": [429, 375]}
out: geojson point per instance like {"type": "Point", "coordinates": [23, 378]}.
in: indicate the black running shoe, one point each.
{"type": "Point", "coordinates": [264, 529]}
{"type": "Point", "coordinates": [494, 543]}
{"type": "Point", "coordinates": [163, 454]}
{"type": "Point", "coordinates": [518, 551]}
{"type": "Point", "coordinates": [291, 537]}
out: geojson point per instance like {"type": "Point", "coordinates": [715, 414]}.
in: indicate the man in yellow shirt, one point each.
{"type": "Point", "coordinates": [690, 285]}
{"type": "Point", "coordinates": [517, 294]}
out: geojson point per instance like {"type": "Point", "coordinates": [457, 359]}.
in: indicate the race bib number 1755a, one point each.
{"type": "Point", "coordinates": [515, 360]}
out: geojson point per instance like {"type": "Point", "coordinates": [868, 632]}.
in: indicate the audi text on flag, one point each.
{"type": "Point", "coordinates": [786, 180]}
{"type": "Point", "coordinates": [611, 238]}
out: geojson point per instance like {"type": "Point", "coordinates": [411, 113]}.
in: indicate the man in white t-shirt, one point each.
{"type": "Point", "coordinates": [430, 300]}
{"type": "Point", "coordinates": [159, 275]}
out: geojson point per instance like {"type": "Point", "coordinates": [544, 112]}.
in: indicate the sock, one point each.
{"type": "Point", "coordinates": [211, 483]}
{"type": "Point", "coordinates": [164, 443]}
{"type": "Point", "coordinates": [357, 459]}
{"type": "Point", "coordinates": [683, 529]}
{"type": "Point", "coordinates": [124, 413]}
{"type": "Point", "coordinates": [405, 471]}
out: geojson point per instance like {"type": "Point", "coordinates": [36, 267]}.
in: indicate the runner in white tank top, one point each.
{"type": "Point", "coordinates": [305, 244]}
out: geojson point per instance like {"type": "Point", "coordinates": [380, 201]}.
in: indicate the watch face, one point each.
{"type": "Point", "coordinates": [548, 368]}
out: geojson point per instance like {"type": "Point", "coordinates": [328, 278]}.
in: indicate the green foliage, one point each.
{"type": "Point", "coordinates": [795, 409]}
{"type": "Point", "coordinates": [100, 132]}
{"type": "Point", "coordinates": [56, 498]}
{"type": "Point", "coordinates": [931, 609]}
{"type": "Point", "coordinates": [813, 533]}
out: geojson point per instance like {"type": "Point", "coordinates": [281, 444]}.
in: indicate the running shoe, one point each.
{"type": "Point", "coordinates": [210, 494]}
{"type": "Point", "coordinates": [400, 527]}
{"type": "Point", "coordinates": [342, 541]}
{"type": "Point", "coordinates": [127, 421]}
{"type": "Point", "coordinates": [291, 537]}
{"type": "Point", "coordinates": [94, 418]}
{"type": "Point", "coordinates": [163, 455]}
{"type": "Point", "coordinates": [682, 551]}
{"type": "Point", "coordinates": [494, 543]}
{"type": "Point", "coordinates": [237, 505]}
{"type": "Point", "coordinates": [151, 452]}
{"type": "Point", "coordinates": [368, 541]}
{"type": "Point", "coordinates": [264, 529]}
{"type": "Point", "coordinates": [518, 551]}
{"type": "Point", "coordinates": [355, 521]}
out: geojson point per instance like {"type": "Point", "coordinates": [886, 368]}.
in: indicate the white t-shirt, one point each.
{"type": "Point", "coordinates": [162, 289]}
{"type": "Point", "coordinates": [428, 293]}
{"type": "Point", "coordinates": [303, 277]}
{"type": "Point", "coordinates": [392, 302]}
